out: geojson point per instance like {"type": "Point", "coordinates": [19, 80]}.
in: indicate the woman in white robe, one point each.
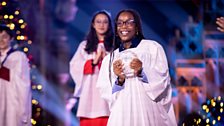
{"type": "Point", "coordinates": [15, 91]}
{"type": "Point", "coordinates": [137, 83]}
{"type": "Point", "coordinates": [84, 69]}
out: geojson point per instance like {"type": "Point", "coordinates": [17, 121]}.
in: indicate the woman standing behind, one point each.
{"type": "Point", "coordinates": [137, 84]}
{"type": "Point", "coordinates": [84, 68]}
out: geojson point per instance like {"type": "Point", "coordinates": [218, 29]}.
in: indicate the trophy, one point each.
{"type": "Point", "coordinates": [126, 57]}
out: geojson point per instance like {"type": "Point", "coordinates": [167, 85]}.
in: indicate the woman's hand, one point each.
{"type": "Point", "coordinates": [220, 23]}
{"type": "Point", "coordinates": [100, 54]}
{"type": "Point", "coordinates": [118, 70]}
{"type": "Point", "coordinates": [136, 64]}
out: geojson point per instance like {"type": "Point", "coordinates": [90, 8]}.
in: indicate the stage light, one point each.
{"type": "Point", "coordinates": [20, 21]}
{"type": "Point", "coordinates": [207, 120]}
{"type": "Point", "coordinates": [16, 12]}
{"type": "Point", "coordinates": [22, 26]}
{"type": "Point", "coordinates": [33, 122]}
{"type": "Point", "coordinates": [6, 16]}
{"type": "Point", "coordinates": [18, 37]}
{"type": "Point", "coordinates": [204, 107]}
{"type": "Point", "coordinates": [4, 3]}
{"type": "Point", "coordinates": [39, 87]}
{"type": "Point", "coordinates": [11, 17]}
{"type": "Point", "coordinates": [219, 118]}
{"type": "Point", "coordinates": [213, 122]}
{"type": "Point", "coordinates": [29, 42]}
{"type": "Point", "coordinates": [35, 102]}
{"type": "Point", "coordinates": [34, 87]}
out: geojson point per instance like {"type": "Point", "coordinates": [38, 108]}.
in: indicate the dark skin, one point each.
{"type": "Point", "coordinates": [126, 34]}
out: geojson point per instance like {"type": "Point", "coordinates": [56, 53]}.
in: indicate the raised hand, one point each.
{"type": "Point", "coordinates": [136, 64]}
{"type": "Point", "coordinates": [118, 69]}
{"type": "Point", "coordinates": [100, 54]}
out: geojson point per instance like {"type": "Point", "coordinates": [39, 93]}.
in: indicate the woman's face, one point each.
{"type": "Point", "coordinates": [126, 28]}
{"type": "Point", "coordinates": [5, 40]}
{"type": "Point", "coordinates": [101, 24]}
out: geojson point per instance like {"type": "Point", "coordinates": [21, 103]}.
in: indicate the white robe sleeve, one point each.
{"type": "Point", "coordinates": [156, 69]}
{"type": "Point", "coordinates": [103, 82]}
{"type": "Point", "coordinates": [76, 68]}
{"type": "Point", "coordinates": [20, 75]}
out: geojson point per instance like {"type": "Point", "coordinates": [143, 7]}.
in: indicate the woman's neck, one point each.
{"type": "Point", "coordinates": [3, 51]}
{"type": "Point", "coordinates": [127, 45]}
{"type": "Point", "coordinates": [100, 37]}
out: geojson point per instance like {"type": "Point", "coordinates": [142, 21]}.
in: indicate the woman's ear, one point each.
{"type": "Point", "coordinates": [93, 25]}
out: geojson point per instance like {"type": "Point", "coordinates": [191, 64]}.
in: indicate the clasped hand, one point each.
{"type": "Point", "coordinates": [100, 54]}
{"type": "Point", "coordinates": [118, 67]}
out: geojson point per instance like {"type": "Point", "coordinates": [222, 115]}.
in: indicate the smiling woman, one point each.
{"type": "Point", "coordinates": [128, 30]}
{"type": "Point", "coordinates": [137, 84]}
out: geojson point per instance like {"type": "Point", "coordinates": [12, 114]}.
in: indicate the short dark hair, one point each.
{"type": "Point", "coordinates": [7, 30]}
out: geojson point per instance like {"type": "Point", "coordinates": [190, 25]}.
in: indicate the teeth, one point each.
{"type": "Point", "coordinates": [124, 32]}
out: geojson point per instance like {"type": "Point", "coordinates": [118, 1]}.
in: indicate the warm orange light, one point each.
{"type": "Point", "coordinates": [25, 49]}
{"type": "Point", "coordinates": [11, 17]}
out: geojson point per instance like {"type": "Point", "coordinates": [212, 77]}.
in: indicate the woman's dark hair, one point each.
{"type": "Point", "coordinates": [92, 39]}
{"type": "Point", "coordinates": [7, 30]}
{"type": "Point", "coordinates": [139, 34]}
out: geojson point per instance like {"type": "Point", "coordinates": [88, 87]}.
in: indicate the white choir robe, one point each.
{"type": "Point", "coordinates": [139, 103]}
{"type": "Point", "coordinates": [15, 94]}
{"type": "Point", "coordinates": [91, 105]}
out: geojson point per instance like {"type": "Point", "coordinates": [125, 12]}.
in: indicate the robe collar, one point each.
{"type": "Point", "coordinates": [134, 43]}
{"type": "Point", "coordinates": [6, 54]}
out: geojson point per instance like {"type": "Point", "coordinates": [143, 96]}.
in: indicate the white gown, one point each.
{"type": "Point", "coordinates": [91, 105]}
{"type": "Point", "coordinates": [139, 103]}
{"type": "Point", "coordinates": [15, 95]}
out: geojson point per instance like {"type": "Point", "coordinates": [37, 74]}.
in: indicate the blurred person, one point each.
{"type": "Point", "coordinates": [15, 91]}
{"type": "Point", "coordinates": [220, 23]}
{"type": "Point", "coordinates": [84, 69]}
{"type": "Point", "coordinates": [134, 78]}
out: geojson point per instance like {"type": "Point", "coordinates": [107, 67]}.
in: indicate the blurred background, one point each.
{"type": "Point", "coordinates": [49, 31]}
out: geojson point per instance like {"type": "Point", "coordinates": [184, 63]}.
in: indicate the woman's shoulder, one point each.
{"type": "Point", "coordinates": [111, 54]}
{"type": "Point", "coordinates": [18, 54]}
{"type": "Point", "coordinates": [83, 43]}
{"type": "Point", "coordinates": [150, 46]}
{"type": "Point", "coordinates": [150, 43]}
